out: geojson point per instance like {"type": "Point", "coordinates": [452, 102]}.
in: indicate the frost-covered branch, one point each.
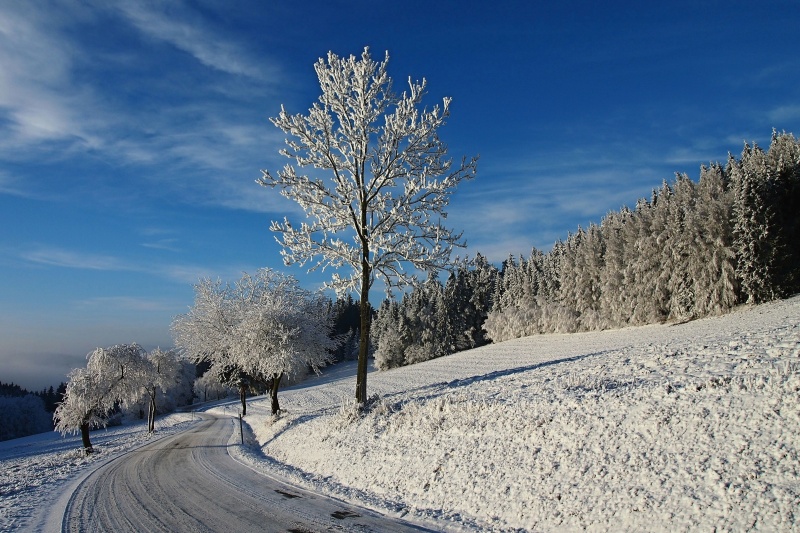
{"type": "Point", "coordinates": [381, 182]}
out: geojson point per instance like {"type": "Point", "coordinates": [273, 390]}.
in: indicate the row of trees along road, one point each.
{"type": "Point", "coordinates": [118, 376]}
{"type": "Point", "coordinates": [256, 331]}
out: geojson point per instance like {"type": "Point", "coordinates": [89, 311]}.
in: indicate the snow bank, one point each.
{"type": "Point", "coordinates": [673, 427]}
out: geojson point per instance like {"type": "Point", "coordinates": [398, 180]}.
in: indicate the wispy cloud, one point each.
{"type": "Point", "coordinates": [515, 205]}
{"type": "Point", "coordinates": [162, 244]}
{"type": "Point", "coordinates": [59, 257]}
{"type": "Point", "coordinates": [59, 99]}
{"type": "Point", "coordinates": [125, 303]}
{"type": "Point", "coordinates": [12, 185]}
{"type": "Point", "coordinates": [784, 114]}
{"type": "Point", "coordinates": [37, 67]}
{"type": "Point", "coordinates": [189, 274]}
{"type": "Point", "coordinates": [173, 23]}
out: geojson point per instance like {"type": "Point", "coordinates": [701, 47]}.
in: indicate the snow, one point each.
{"type": "Point", "coordinates": [670, 427]}
{"type": "Point", "coordinates": [687, 426]}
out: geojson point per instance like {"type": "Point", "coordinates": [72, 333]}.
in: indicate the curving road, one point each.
{"type": "Point", "coordinates": [189, 482]}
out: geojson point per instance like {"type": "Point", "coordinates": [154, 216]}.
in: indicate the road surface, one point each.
{"type": "Point", "coordinates": [189, 482]}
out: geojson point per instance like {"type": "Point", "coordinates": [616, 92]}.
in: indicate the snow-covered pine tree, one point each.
{"type": "Point", "coordinates": [753, 217]}
{"type": "Point", "coordinates": [680, 236]}
{"type": "Point", "coordinates": [481, 282]}
{"type": "Point", "coordinates": [711, 265]}
{"type": "Point", "coordinates": [614, 307]}
{"type": "Point", "coordinates": [569, 276]}
{"type": "Point", "coordinates": [457, 306]}
{"type": "Point", "coordinates": [589, 265]}
{"type": "Point", "coordinates": [784, 162]}
{"type": "Point", "coordinates": [391, 336]}
{"type": "Point", "coordinates": [643, 266]}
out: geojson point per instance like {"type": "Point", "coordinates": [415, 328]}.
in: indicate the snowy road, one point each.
{"type": "Point", "coordinates": [189, 482]}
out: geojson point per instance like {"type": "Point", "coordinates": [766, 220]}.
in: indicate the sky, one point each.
{"type": "Point", "coordinates": [132, 133]}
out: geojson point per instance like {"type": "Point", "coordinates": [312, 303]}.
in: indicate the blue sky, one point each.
{"type": "Point", "coordinates": [131, 134]}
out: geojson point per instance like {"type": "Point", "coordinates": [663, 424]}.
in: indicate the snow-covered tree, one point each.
{"type": "Point", "coordinates": [615, 307]}
{"type": "Point", "coordinates": [712, 263]}
{"type": "Point", "coordinates": [284, 329]}
{"type": "Point", "coordinates": [380, 183]}
{"type": "Point", "coordinates": [391, 336]}
{"type": "Point", "coordinates": [258, 330]}
{"type": "Point", "coordinates": [208, 387]}
{"type": "Point", "coordinates": [766, 229]}
{"type": "Point", "coordinates": [753, 224]}
{"type": "Point", "coordinates": [113, 377]}
{"type": "Point", "coordinates": [784, 162]}
{"type": "Point", "coordinates": [161, 373]}
{"type": "Point", "coordinates": [205, 333]}
{"type": "Point", "coordinates": [679, 244]}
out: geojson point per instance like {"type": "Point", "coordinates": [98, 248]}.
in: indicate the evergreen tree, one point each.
{"type": "Point", "coordinates": [615, 307]}
{"type": "Point", "coordinates": [784, 162]}
{"type": "Point", "coordinates": [753, 225]}
{"type": "Point", "coordinates": [711, 265]}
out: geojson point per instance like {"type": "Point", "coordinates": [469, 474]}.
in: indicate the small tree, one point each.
{"type": "Point", "coordinates": [283, 329]}
{"type": "Point", "coordinates": [258, 330]}
{"type": "Point", "coordinates": [386, 183]}
{"type": "Point", "coordinates": [204, 334]}
{"type": "Point", "coordinates": [161, 373]}
{"type": "Point", "coordinates": [113, 376]}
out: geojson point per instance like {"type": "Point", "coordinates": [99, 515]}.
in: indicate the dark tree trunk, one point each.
{"type": "Point", "coordinates": [363, 345]}
{"type": "Point", "coordinates": [276, 381]}
{"type": "Point", "coordinates": [243, 397]}
{"type": "Point", "coordinates": [151, 416]}
{"type": "Point", "coordinates": [87, 444]}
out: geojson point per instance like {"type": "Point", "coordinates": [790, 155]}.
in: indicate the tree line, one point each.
{"type": "Point", "coordinates": [693, 249]}
{"type": "Point", "coordinates": [24, 413]}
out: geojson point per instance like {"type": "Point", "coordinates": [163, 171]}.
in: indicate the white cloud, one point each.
{"type": "Point", "coordinates": [59, 100]}
{"type": "Point", "coordinates": [179, 273]}
{"type": "Point", "coordinates": [59, 257]}
{"type": "Point", "coordinates": [125, 303]}
{"type": "Point", "coordinates": [36, 89]}
{"type": "Point", "coordinates": [783, 114]}
{"type": "Point", "coordinates": [173, 23]}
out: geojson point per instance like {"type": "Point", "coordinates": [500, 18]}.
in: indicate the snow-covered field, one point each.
{"type": "Point", "coordinates": [682, 427]}
{"type": "Point", "coordinates": [693, 426]}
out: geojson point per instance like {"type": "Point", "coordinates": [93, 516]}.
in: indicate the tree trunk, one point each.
{"type": "Point", "coordinates": [276, 381]}
{"type": "Point", "coordinates": [243, 397]}
{"type": "Point", "coordinates": [151, 417]}
{"type": "Point", "coordinates": [363, 345]}
{"type": "Point", "coordinates": [87, 444]}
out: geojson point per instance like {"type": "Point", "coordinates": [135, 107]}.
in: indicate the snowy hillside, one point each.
{"type": "Point", "coordinates": [671, 427]}
{"type": "Point", "coordinates": [684, 427]}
